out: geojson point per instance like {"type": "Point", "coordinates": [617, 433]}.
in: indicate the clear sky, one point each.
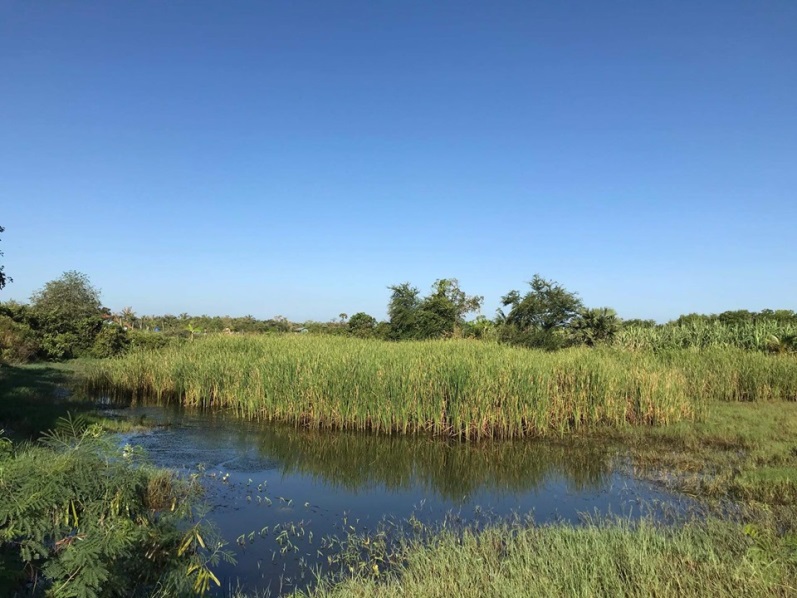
{"type": "Point", "coordinates": [296, 157]}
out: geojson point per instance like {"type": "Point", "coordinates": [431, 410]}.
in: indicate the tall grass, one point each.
{"type": "Point", "coordinates": [601, 559]}
{"type": "Point", "coordinates": [731, 374]}
{"type": "Point", "coordinates": [762, 335]}
{"type": "Point", "coordinates": [456, 388]}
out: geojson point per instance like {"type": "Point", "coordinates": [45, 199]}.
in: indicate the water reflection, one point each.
{"type": "Point", "coordinates": [359, 462]}
{"type": "Point", "coordinates": [261, 475]}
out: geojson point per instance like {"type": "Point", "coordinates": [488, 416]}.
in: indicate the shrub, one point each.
{"type": "Point", "coordinates": [78, 517]}
{"type": "Point", "coordinates": [18, 342]}
{"type": "Point", "coordinates": [110, 342]}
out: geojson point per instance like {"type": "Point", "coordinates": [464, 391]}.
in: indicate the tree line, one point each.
{"type": "Point", "coordinates": [66, 319]}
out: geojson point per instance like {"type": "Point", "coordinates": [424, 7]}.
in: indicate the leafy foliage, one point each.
{"type": "Point", "coordinates": [538, 318]}
{"type": "Point", "coordinates": [547, 306]}
{"type": "Point", "coordinates": [594, 326]}
{"type": "Point", "coordinates": [403, 311]}
{"type": "Point", "coordinates": [18, 343]}
{"type": "Point", "coordinates": [440, 314]}
{"type": "Point", "coordinates": [68, 314]}
{"type": "Point", "coordinates": [80, 517]}
{"type": "Point", "coordinates": [362, 325]}
{"type": "Point", "coordinates": [110, 342]}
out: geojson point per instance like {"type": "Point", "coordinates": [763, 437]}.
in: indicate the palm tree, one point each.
{"type": "Point", "coordinates": [593, 326]}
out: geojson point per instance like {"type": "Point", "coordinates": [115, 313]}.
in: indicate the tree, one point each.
{"type": "Point", "coordinates": [403, 311]}
{"type": "Point", "coordinates": [639, 323]}
{"type": "Point", "coordinates": [547, 306]}
{"type": "Point", "coordinates": [539, 317]}
{"type": "Point", "coordinates": [68, 314]}
{"type": "Point", "coordinates": [3, 278]}
{"type": "Point", "coordinates": [482, 328]}
{"type": "Point", "coordinates": [128, 317]}
{"type": "Point", "coordinates": [443, 312]}
{"type": "Point", "coordinates": [594, 326]}
{"type": "Point", "coordinates": [362, 325]}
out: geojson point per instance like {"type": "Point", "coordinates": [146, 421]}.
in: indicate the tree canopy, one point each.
{"type": "Point", "coordinates": [69, 315]}
{"type": "Point", "coordinates": [439, 314]}
{"type": "Point", "coordinates": [547, 306]}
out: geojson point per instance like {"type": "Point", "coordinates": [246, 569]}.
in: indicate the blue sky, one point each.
{"type": "Point", "coordinates": [296, 158]}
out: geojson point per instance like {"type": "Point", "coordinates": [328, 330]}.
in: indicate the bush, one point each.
{"type": "Point", "coordinates": [68, 315]}
{"type": "Point", "coordinates": [17, 341]}
{"type": "Point", "coordinates": [142, 339]}
{"type": "Point", "coordinates": [81, 517]}
{"type": "Point", "coordinates": [110, 342]}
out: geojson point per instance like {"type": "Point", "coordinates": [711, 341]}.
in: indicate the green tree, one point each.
{"type": "Point", "coordinates": [547, 306]}
{"type": "Point", "coordinates": [68, 315]}
{"type": "Point", "coordinates": [639, 323]}
{"type": "Point", "coordinates": [362, 325]}
{"type": "Point", "coordinates": [110, 341]}
{"type": "Point", "coordinates": [18, 343]}
{"type": "Point", "coordinates": [3, 278]}
{"type": "Point", "coordinates": [482, 328]}
{"type": "Point", "coordinates": [594, 326]}
{"type": "Point", "coordinates": [443, 312]}
{"type": "Point", "coordinates": [540, 317]}
{"type": "Point", "coordinates": [403, 311]}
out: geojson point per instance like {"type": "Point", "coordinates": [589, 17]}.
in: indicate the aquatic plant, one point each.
{"type": "Point", "coordinates": [452, 388]}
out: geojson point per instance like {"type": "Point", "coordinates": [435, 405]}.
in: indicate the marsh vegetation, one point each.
{"type": "Point", "coordinates": [704, 407]}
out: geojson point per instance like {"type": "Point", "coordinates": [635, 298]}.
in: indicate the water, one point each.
{"type": "Point", "coordinates": [313, 484]}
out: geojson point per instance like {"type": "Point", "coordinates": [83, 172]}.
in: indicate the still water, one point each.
{"type": "Point", "coordinates": [263, 480]}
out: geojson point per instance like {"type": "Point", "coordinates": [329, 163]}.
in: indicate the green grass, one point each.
{"type": "Point", "coordinates": [453, 388]}
{"type": "Point", "coordinates": [744, 451]}
{"type": "Point", "coordinates": [601, 559]}
{"type": "Point", "coordinates": [33, 398]}
{"type": "Point", "coordinates": [764, 335]}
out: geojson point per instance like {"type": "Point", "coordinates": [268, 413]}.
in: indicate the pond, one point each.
{"type": "Point", "coordinates": [275, 491]}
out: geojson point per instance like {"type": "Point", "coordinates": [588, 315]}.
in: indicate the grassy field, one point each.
{"type": "Point", "coordinates": [455, 388]}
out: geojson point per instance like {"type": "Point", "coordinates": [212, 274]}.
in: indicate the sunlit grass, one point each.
{"type": "Point", "coordinates": [763, 335]}
{"type": "Point", "coordinates": [455, 388]}
{"type": "Point", "coordinates": [602, 558]}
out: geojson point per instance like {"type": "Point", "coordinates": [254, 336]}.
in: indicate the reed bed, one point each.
{"type": "Point", "coordinates": [451, 388]}
{"type": "Point", "coordinates": [731, 374]}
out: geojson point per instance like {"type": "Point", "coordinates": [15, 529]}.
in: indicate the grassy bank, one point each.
{"type": "Point", "coordinates": [34, 397]}
{"type": "Point", "coordinates": [615, 558]}
{"type": "Point", "coordinates": [461, 388]}
{"type": "Point", "coordinates": [457, 388]}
